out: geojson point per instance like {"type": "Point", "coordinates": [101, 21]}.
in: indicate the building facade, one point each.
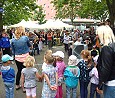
{"type": "Point", "coordinates": [49, 10]}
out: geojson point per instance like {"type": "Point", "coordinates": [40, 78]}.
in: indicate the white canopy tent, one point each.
{"type": "Point", "coordinates": [55, 24]}
{"type": "Point", "coordinates": [48, 25]}
{"type": "Point", "coordinates": [61, 25]}
{"type": "Point", "coordinates": [26, 24]}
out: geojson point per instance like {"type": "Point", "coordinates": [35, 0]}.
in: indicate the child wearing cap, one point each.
{"type": "Point", "coordinates": [71, 75]}
{"type": "Point", "coordinates": [60, 65]}
{"type": "Point", "coordinates": [8, 75]}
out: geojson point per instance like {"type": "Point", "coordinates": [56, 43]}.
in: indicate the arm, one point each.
{"type": "Point", "coordinates": [56, 78]}
{"type": "Point", "coordinates": [39, 76]}
{"type": "Point", "coordinates": [47, 79]}
{"type": "Point", "coordinates": [105, 63]}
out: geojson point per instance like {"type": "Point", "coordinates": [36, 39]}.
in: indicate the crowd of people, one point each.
{"type": "Point", "coordinates": [96, 65]}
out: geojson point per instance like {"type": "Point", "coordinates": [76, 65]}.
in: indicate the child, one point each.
{"type": "Point", "coordinates": [94, 80]}
{"type": "Point", "coordinates": [28, 77]}
{"type": "Point", "coordinates": [71, 75]}
{"type": "Point", "coordinates": [8, 75]}
{"type": "Point", "coordinates": [60, 65]}
{"type": "Point", "coordinates": [85, 66]}
{"type": "Point", "coordinates": [49, 53]}
{"type": "Point", "coordinates": [50, 79]}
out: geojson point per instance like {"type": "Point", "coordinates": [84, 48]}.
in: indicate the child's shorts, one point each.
{"type": "Point", "coordinates": [31, 91]}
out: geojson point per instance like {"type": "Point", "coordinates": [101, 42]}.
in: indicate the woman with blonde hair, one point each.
{"type": "Point", "coordinates": [106, 61]}
{"type": "Point", "coordinates": [20, 48]}
{"type": "Point", "coordinates": [28, 77]}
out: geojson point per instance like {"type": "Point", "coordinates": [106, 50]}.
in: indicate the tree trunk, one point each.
{"type": "Point", "coordinates": [111, 8]}
{"type": "Point", "coordinates": [1, 22]}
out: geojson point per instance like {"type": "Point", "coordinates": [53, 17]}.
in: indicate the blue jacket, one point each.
{"type": "Point", "coordinates": [71, 80]}
{"type": "Point", "coordinates": [8, 74]}
{"type": "Point", "coordinates": [20, 46]}
{"type": "Point", "coordinates": [4, 42]}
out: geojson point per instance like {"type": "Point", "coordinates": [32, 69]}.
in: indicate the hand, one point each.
{"type": "Point", "coordinates": [53, 87]}
{"type": "Point", "coordinates": [99, 91]}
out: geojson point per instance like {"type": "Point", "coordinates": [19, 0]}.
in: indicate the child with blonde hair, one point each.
{"type": "Point", "coordinates": [28, 77]}
{"type": "Point", "coordinates": [49, 53]}
{"type": "Point", "coordinates": [50, 79]}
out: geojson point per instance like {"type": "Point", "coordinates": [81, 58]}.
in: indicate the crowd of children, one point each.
{"type": "Point", "coordinates": [54, 74]}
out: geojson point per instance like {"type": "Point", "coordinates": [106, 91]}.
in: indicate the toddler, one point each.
{"type": "Point", "coordinates": [50, 79]}
{"type": "Point", "coordinates": [28, 77]}
{"type": "Point", "coordinates": [8, 75]}
{"type": "Point", "coordinates": [71, 75]}
{"type": "Point", "coordinates": [60, 65]}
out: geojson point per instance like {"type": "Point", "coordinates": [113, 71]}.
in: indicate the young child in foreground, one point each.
{"type": "Point", "coordinates": [28, 77]}
{"type": "Point", "coordinates": [60, 65]}
{"type": "Point", "coordinates": [8, 75]}
{"type": "Point", "coordinates": [94, 80]}
{"type": "Point", "coordinates": [50, 79]}
{"type": "Point", "coordinates": [71, 75]}
{"type": "Point", "coordinates": [49, 53]}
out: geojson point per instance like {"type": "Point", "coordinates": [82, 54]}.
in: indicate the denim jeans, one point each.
{"type": "Point", "coordinates": [83, 89]}
{"type": "Point", "coordinates": [109, 91]}
{"type": "Point", "coordinates": [70, 91]}
{"type": "Point", "coordinates": [93, 91]}
{"type": "Point", "coordinates": [9, 88]}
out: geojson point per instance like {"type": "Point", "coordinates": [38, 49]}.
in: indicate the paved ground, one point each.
{"type": "Point", "coordinates": [39, 61]}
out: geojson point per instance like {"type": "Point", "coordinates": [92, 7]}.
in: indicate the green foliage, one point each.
{"type": "Point", "coordinates": [39, 15]}
{"type": "Point", "coordinates": [66, 8]}
{"type": "Point", "coordinates": [16, 10]}
{"type": "Point", "coordinates": [93, 9]}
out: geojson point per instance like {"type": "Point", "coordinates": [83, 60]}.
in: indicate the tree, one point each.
{"type": "Point", "coordinates": [39, 15]}
{"type": "Point", "coordinates": [111, 8]}
{"type": "Point", "coordinates": [66, 8]}
{"type": "Point", "coordinates": [15, 11]}
{"type": "Point", "coordinates": [93, 9]}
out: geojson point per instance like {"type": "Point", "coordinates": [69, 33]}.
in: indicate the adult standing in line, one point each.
{"type": "Point", "coordinates": [106, 62]}
{"type": "Point", "coordinates": [20, 48]}
{"type": "Point", "coordinates": [49, 37]}
{"type": "Point", "coordinates": [66, 41]}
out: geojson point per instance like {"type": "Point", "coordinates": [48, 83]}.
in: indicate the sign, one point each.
{"type": "Point", "coordinates": [1, 10]}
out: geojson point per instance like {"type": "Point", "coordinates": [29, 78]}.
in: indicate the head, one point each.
{"type": "Point", "coordinates": [108, 22]}
{"type": "Point", "coordinates": [86, 55]}
{"type": "Point", "coordinates": [49, 59]}
{"type": "Point", "coordinates": [6, 59]}
{"type": "Point", "coordinates": [47, 53]}
{"type": "Point", "coordinates": [95, 60]}
{"type": "Point", "coordinates": [19, 32]}
{"type": "Point", "coordinates": [72, 60]}
{"type": "Point", "coordinates": [59, 55]}
{"type": "Point", "coordinates": [4, 34]}
{"type": "Point", "coordinates": [29, 61]}
{"type": "Point", "coordinates": [105, 35]}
